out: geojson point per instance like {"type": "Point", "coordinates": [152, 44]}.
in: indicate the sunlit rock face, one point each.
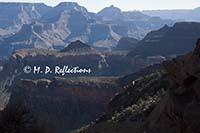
{"type": "Point", "coordinates": [14, 15]}
{"type": "Point", "coordinates": [40, 26]}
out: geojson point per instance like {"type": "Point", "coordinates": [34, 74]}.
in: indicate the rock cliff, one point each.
{"type": "Point", "coordinates": [172, 109]}
{"type": "Point", "coordinates": [169, 41]}
{"type": "Point", "coordinates": [178, 112]}
{"type": "Point", "coordinates": [126, 43]}
{"type": "Point", "coordinates": [64, 104]}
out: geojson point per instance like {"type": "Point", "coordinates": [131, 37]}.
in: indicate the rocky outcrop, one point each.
{"type": "Point", "coordinates": [128, 110]}
{"type": "Point", "coordinates": [56, 27]}
{"type": "Point", "coordinates": [100, 63]}
{"type": "Point", "coordinates": [176, 111]}
{"type": "Point", "coordinates": [133, 24]}
{"type": "Point", "coordinates": [56, 12]}
{"type": "Point", "coordinates": [111, 13]}
{"type": "Point", "coordinates": [64, 103]}
{"type": "Point", "coordinates": [77, 54]}
{"type": "Point", "coordinates": [77, 46]}
{"type": "Point", "coordinates": [64, 64]}
{"type": "Point", "coordinates": [126, 43]}
{"type": "Point", "coordinates": [169, 41]}
{"type": "Point", "coordinates": [14, 15]}
{"type": "Point", "coordinates": [34, 35]}
{"type": "Point", "coordinates": [95, 63]}
{"type": "Point", "coordinates": [125, 80]}
{"type": "Point", "coordinates": [114, 13]}
{"type": "Point", "coordinates": [60, 26]}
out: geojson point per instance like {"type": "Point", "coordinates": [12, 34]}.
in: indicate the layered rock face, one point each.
{"type": "Point", "coordinates": [131, 23]}
{"type": "Point", "coordinates": [64, 104]}
{"type": "Point", "coordinates": [14, 15]}
{"type": "Point", "coordinates": [82, 56]}
{"type": "Point", "coordinates": [173, 111]}
{"type": "Point", "coordinates": [77, 54]}
{"type": "Point", "coordinates": [41, 26]}
{"type": "Point", "coordinates": [58, 27]}
{"type": "Point", "coordinates": [169, 41]}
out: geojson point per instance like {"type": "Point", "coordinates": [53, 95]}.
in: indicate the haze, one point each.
{"type": "Point", "coordinates": [126, 5]}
